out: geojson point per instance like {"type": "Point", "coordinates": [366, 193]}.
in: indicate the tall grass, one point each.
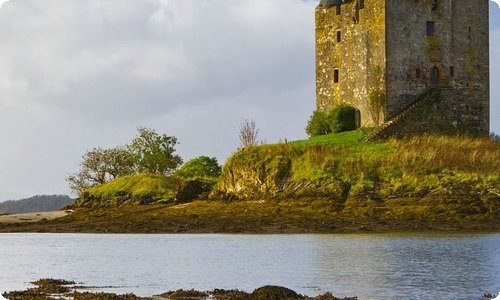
{"type": "Point", "coordinates": [412, 164]}
{"type": "Point", "coordinates": [461, 153]}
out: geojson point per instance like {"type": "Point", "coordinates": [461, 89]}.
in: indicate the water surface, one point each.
{"type": "Point", "coordinates": [368, 266]}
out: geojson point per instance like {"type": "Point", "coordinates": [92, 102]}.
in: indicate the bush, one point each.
{"type": "Point", "coordinates": [343, 118]}
{"type": "Point", "coordinates": [318, 124]}
{"type": "Point", "coordinates": [200, 167]}
{"type": "Point", "coordinates": [340, 118]}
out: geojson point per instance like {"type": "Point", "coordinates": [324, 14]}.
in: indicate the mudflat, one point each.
{"type": "Point", "coordinates": [32, 217]}
{"type": "Point", "coordinates": [269, 216]}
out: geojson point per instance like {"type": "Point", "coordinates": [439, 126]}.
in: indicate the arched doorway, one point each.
{"type": "Point", "coordinates": [435, 76]}
{"type": "Point", "coordinates": [357, 119]}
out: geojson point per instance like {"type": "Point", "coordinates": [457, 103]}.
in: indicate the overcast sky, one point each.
{"type": "Point", "coordinates": [81, 74]}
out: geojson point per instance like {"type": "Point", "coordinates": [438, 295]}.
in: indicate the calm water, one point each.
{"type": "Point", "coordinates": [369, 266]}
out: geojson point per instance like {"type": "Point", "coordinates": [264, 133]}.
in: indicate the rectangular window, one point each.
{"type": "Point", "coordinates": [338, 10]}
{"type": "Point", "coordinates": [339, 36]}
{"type": "Point", "coordinates": [336, 76]}
{"type": "Point", "coordinates": [435, 5]}
{"type": "Point", "coordinates": [361, 4]}
{"type": "Point", "coordinates": [452, 71]}
{"type": "Point", "coordinates": [430, 28]}
{"type": "Point", "coordinates": [417, 73]}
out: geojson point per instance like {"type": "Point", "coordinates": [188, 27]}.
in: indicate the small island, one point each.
{"type": "Point", "coordinates": [399, 141]}
{"type": "Point", "coordinates": [335, 183]}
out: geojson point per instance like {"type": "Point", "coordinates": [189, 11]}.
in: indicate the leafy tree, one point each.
{"type": "Point", "coordinates": [154, 153]}
{"type": "Point", "coordinates": [100, 166]}
{"type": "Point", "coordinates": [202, 166]}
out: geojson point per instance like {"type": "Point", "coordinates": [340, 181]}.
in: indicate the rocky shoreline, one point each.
{"type": "Point", "coordinates": [271, 217]}
{"type": "Point", "coordinates": [49, 289]}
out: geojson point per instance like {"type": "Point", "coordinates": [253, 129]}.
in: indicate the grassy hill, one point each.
{"type": "Point", "coordinates": [130, 189]}
{"type": "Point", "coordinates": [405, 167]}
{"type": "Point", "coordinates": [335, 183]}
{"type": "Point", "coordinates": [145, 189]}
{"type": "Point", "coordinates": [421, 179]}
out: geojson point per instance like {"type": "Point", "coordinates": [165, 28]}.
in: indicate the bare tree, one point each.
{"type": "Point", "coordinates": [248, 133]}
{"type": "Point", "coordinates": [100, 166]}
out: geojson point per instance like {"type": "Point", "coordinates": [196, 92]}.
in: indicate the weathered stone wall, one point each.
{"type": "Point", "coordinates": [455, 55]}
{"type": "Point", "coordinates": [359, 57]}
{"type": "Point", "coordinates": [386, 58]}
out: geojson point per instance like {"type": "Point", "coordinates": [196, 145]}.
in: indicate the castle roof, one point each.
{"type": "Point", "coordinates": [328, 3]}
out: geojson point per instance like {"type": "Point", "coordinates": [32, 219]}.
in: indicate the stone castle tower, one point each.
{"type": "Point", "coordinates": [425, 59]}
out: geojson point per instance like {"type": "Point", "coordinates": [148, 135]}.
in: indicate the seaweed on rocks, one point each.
{"type": "Point", "coordinates": [53, 289]}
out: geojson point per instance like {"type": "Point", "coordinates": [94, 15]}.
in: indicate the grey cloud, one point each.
{"type": "Point", "coordinates": [80, 74]}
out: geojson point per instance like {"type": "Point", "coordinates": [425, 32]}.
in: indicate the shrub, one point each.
{"type": "Point", "coordinates": [341, 118]}
{"type": "Point", "coordinates": [318, 124]}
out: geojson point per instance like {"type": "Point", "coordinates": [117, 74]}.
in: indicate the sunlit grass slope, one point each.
{"type": "Point", "coordinates": [135, 188]}
{"type": "Point", "coordinates": [334, 183]}
{"type": "Point", "coordinates": [393, 168]}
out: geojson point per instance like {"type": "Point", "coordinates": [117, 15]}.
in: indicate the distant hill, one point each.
{"type": "Point", "coordinates": [36, 204]}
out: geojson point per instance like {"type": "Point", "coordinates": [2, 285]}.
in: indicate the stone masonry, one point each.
{"type": "Point", "coordinates": [382, 55]}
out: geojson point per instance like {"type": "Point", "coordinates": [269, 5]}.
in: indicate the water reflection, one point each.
{"type": "Point", "coordinates": [412, 267]}
{"type": "Point", "coordinates": [370, 266]}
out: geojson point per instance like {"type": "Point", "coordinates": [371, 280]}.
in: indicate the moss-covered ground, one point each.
{"type": "Point", "coordinates": [132, 189]}
{"type": "Point", "coordinates": [277, 216]}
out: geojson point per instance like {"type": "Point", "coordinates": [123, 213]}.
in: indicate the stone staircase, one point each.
{"type": "Point", "coordinates": [378, 131]}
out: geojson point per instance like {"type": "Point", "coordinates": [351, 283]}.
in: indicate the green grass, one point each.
{"type": "Point", "coordinates": [394, 168]}
{"type": "Point", "coordinates": [352, 141]}
{"type": "Point", "coordinates": [334, 183]}
{"type": "Point", "coordinates": [350, 138]}
{"type": "Point", "coordinates": [136, 186]}
{"type": "Point", "coordinates": [323, 183]}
